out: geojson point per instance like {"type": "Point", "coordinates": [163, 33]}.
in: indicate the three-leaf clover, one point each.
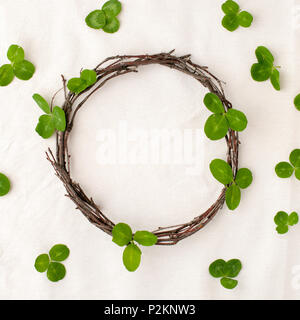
{"type": "Point", "coordinates": [87, 78]}
{"type": "Point", "coordinates": [52, 262]}
{"type": "Point", "coordinates": [4, 185]}
{"type": "Point", "coordinates": [283, 221]}
{"type": "Point", "coordinates": [106, 18]}
{"type": "Point", "coordinates": [234, 17]}
{"type": "Point", "coordinates": [50, 121]}
{"type": "Point", "coordinates": [123, 236]}
{"type": "Point", "coordinates": [286, 169]}
{"type": "Point", "coordinates": [18, 67]}
{"type": "Point", "coordinates": [226, 271]}
{"type": "Point", "coordinates": [265, 68]}
{"type": "Point", "coordinates": [222, 172]}
{"type": "Point", "coordinates": [218, 124]}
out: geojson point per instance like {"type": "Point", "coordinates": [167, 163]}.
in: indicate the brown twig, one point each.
{"type": "Point", "coordinates": [113, 67]}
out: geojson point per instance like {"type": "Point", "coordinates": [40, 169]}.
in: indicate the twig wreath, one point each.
{"type": "Point", "coordinates": [225, 122]}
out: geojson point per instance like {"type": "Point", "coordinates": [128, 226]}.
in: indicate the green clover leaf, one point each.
{"type": "Point", "coordinates": [230, 22]}
{"type": "Point", "coordinates": [275, 79]}
{"type": "Point", "coordinates": [145, 238]}
{"type": "Point", "coordinates": [295, 158]}
{"type": "Point", "coordinates": [87, 79]}
{"type": "Point", "coordinates": [96, 19]}
{"type": "Point", "coordinates": [284, 170]}
{"type": "Point", "coordinates": [233, 197]}
{"type": "Point", "coordinates": [59, 252]}
{"type": "Point", "coordinates": [4, 185]}
{"type": "Point", "coordinates": [236, 119]}
{"type": "Point", "coordinates": [122, 234]}
{"type": "Point", "coordinates": [281, 218]}
{"type": "Point", "coordinates": [42, 263]}
{"type": "Point", "coordinates": [132, 257]}
{"type": "Point", "coordinates": [6, 75]}
{"type": "Point", "coordinates": [24, 70]}
{"type": "Point", "coordinates": [56, 271]}
{"type": "Point", "coordinates": [112, 25]}
{"type": "Point", "coordinates": [216, 127]}
{"type": "Point", "coordinates": [232, 268]}
{"type": "Point", "coordinates": [42, 103]}
{"type": "Point", "coordinates": [282, 229]}
{"type": "Point", "coordinates": [213, 103]}
{"type": "Point", "coordinates": [228, 283]}
{"type": "Point", "coordinates": [230, 7]}
{"type": "Point", "coordinates": [297, 102]}
{"type": "Point", "coordinates": [59, 119]}
{"type": "Point", "coordinates": [15, 53]}
{"type": "Point", "coordinates": [112, 8]}
{"type": "Point", "coordinates": [293, 219]}
{"type": "Point", "coordinates": [261, 72]}
{"type": "Point", "coordinates": [264, 56]}
{"type": "Point", "coordinates": [45, 127]}
{"type": "Point", "coordinates": [244, 178]}
{"type": "Point", "coordinates": [265, 69]}
{"type": "Point", "coordinates": [217, 268]}
{"type": "Point", "coordinates": [221, 171]}
{"type": "Point", "coordinates": [245, 19]}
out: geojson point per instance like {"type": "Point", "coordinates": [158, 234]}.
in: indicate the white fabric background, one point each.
{"type": "Point", "coordinates": [35, 215]}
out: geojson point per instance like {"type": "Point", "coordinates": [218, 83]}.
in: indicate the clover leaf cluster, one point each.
{"type": "Point", "coordinates": [222, 172]}
{"type": "Point", "coordinates": [226, 271]}
{"type": "Point", "coordinates": [50, 121]}
{"type": "Point", "coordinates": [123, 236]}
{"type": "Point", "coordinates": [52, 262]}
{"type": "Point", "coordinates": [265, 69]}
{"type": "Point", "coordinates": [283, 221]}
{"type": "Point", "coordinates": [4, 185]}
{"type": "Point", "coordinates": [218, 124]}
{"type": "Point", "coordinates": [18, 67]}
{"type": "Point", "coordinates": [105, 19]}
{"type": "Point", "coordinates": [286, 169]}
{"type": "Point", "coordinates": [234, 17]}
{"type": "Point", "coordinates": [87, 78]}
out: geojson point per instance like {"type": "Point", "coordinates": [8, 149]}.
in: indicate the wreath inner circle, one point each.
{"type": "Point", "coordinates": [108, 69]}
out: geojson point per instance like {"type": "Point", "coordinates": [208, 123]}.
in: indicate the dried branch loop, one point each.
{"type": "Point", "coordinates": [113, 67]}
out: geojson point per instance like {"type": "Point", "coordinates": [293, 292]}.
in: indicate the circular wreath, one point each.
{"type": "Point", "coordinates": [113, 67]}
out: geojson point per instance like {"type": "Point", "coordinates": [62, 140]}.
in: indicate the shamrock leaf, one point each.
{"type": "Point", "coordinates": [297, 102]}
{"type": "Point", "coordinates": [4, 185]}
{"type": "Point", "coordinates": [96, 19]}
{"type": "Point", "coordinates": [244, 178]}
{"type": "Point", "coordinates": [216, 127]}
{"type": "Point", "coordinates": [112, 25]}
{"type": "Point", "coordinates": [213, 103]}
{"type": "Point", "coordinates": [283, 221]}
{"type": "Point", "coordinates": [122, 234]}
{"type": "Point", "coordinates": [265, 69]}
{"type": "Point", "coordinates": [87, 79]}
{"type": "Point", "coordinates": [286, 169]}
{"type": "Point", "coordinates": [56, 271]}
{"type": "Point", "coordinates": [6, 75]}
{"type": "Point", "coordinates": [221, 171]}
{"type": "Point", "coordinates": [226, 271]}
{"type": "Point", "coordinates": [293, 219]}
{"type": "Point", "coordinates": [236, 119]}
{"type": "Point", "coordinates": [42, 263]}
{"type": "Point", "coordinates": [15, 53]}
{"type": "Point", "coordinates": [112, 8]}
{"type": "Point", "coordinates": [234, 18]}
{"type": "Point", "coordinates": [233, 197]}
{"type": "Point", "coordinates": [59, 252]}
{"type": "Point", "coordinates": [24, 70]}
{"type": "Point", "coordinates": [48, 262]}
{"type": "Point", "coordinates": [228, 283]}
{"type": "Point", "coordinates": [132, 257]}
{"type": "Point", "coordinates": [50, 121]}
{"type": "Point", "coordinates": [145, 238]}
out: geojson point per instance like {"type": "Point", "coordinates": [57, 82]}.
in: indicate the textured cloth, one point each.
{"type": "Point", "coordinates": [35, 214]}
